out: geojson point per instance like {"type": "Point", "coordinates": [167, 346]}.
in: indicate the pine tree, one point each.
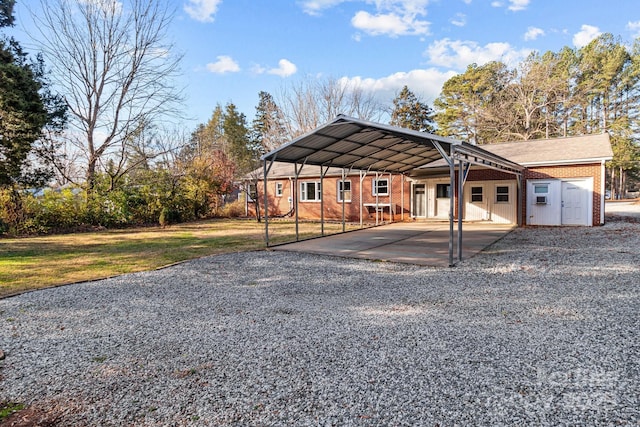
{"type": "Point", "coordinates": [26, 107]}
{"type": "Point", "coordinates": [268, 129]}
{"type": "Point", "coordinates": [409, 112]}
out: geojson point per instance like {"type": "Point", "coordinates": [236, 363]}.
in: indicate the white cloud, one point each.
{"type": "Point", "coordinates": [533, 33]}
{"type": "Point", "coordinates": [385, 17]}
{"type": "Point", "coordinates": [315, 7]}
{"type": "Point", "coordinates": [458, 54]}
{"type": "Point", "coordinates": [467, 1]}
{"type": "Point", "coordinates": [517, 5]}
{"type": "Point", "coordinates": [390, 24]}
{"type": "Point", "coordinates": [513, 5]}
{"type": "Point", "coordinates": [202, 10]}
{"type": "Point", "coordinates": [285, 68]}
{"type": "Point", "coordinates": [460, 20]}
{"type": "Point", "coordinates": [425, 83]}
{"type": "Point", "coordinates": [634, 27]}
{"type": "Point", "coordinates": [585, 35]}
{"type": "Point", "coordinates": [225, 64]}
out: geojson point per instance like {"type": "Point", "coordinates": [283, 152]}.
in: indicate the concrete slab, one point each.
{"type": "Point", "coordinates": [422, 243]}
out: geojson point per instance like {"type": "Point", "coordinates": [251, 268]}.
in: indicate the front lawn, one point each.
{"type": "Point", "coordinates": [39, 262]}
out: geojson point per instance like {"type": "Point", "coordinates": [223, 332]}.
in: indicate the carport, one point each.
{"type": "Point", "coordinates": [358, 145]}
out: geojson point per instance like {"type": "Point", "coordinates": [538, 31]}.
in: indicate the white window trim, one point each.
{"type": "Point", "coordinates": [339, 193]}
{"type": "Point", "coordinates": [508, 194]}
{"type": "Point", "coordinates": [279, 189]}
{"type": "Point", "coordinates": [374, 187]}
{"type": "Point", "coordinates": [471, 194]}
{"type": "Point", "coordinates": [304, 193]}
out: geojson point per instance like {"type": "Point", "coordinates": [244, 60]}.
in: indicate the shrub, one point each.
{"type": "Point", "coordinates": [233, 210]}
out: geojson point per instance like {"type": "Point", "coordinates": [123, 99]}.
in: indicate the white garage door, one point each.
{"type": "Point", "coordinates": [575, 202]}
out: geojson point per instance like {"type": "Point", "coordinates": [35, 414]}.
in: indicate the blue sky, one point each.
{"type": "Point", "coordinates": [233, 49]}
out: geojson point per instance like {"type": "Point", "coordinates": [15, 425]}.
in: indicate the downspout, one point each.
{"type": "Point", "coordinates": [603, 202]}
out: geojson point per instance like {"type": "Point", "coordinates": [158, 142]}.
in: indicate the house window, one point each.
{"type": "Point", "coordinates": [278, 189]}
{"type": "Point", "coordinates": [476, 194]}
{"type": "Point", "coordinates": [502, 194]}
{"type": "Point", "coordinates": [344, 191]}
{"type": "Point", "coordinates": [443, 191]}
{"type": "Point", "coordinates": [541, 188]}
{"type": "Point", "coordinates": [310, 191]}
{"type": "Point", "coordinates": [252, 192]}
{"type": "Point", "coordinates": [380, 187]}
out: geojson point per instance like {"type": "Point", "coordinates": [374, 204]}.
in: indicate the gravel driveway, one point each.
{"type": "Point", "coordinates": [540, 329]}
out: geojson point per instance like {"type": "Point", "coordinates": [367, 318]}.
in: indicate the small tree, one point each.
{"type": "Point", "coordinates": [409, 112]}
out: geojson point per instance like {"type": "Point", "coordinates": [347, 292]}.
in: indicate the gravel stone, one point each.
{"type": "Point", "coordinates": [539, 329]}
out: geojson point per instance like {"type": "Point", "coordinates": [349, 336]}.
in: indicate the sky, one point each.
{"type": "Point", "coordinates": [233, 49]}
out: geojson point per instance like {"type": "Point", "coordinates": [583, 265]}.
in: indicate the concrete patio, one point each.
{"type": "Point", "coordinates": [421, 243]}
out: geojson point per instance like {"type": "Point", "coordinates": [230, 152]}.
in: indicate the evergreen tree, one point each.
{"type": "Point", "coordinates": [26, 108]}
{"type": "Point", "coordinates": [408, 112]}
{"type": "Point", "coordinates": [268, 130]}
{"type": "Point", "coordinates": [466, 106]}
{"type": "Point", "coordinates": [236, 133]}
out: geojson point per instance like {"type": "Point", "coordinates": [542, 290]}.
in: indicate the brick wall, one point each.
{"type": "Point", "coordinates": [279, 205]}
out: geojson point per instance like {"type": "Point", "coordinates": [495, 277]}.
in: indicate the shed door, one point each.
{"type": "Point", "coordinates": [419, 200]}
{"type": "Point", "coordinates": [575, 201]}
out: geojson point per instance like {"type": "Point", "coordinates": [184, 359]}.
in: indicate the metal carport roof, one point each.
{"type": "Point", "coordinates": [355, 144]}
{"type": "Point", "coordinates": [352, 143]}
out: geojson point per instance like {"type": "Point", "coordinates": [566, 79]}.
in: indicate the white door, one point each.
{"type": "Point", "coordinates": [443, 200]}
{"type": "Point", "coordinates": [419, 200]}
{"type": "Point", "coordinates": [575, 201]}
{"type": "Point", "coordinates": [476, 206]}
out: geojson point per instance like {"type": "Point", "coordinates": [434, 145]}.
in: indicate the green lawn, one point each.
{"type": "Point", "coordinates": [39, 262]}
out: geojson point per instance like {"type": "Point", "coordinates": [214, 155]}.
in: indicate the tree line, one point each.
{"type": "Point", "coordinates": [105, 155]}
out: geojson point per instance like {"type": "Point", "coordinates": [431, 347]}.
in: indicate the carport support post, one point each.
{"type": "Point", "coordinates": [266, 201]}
{"type": "Point", "coordinates": [452, 185]}
{"type": "Point", "coordinates": [460, 206]}
{"type": "Point", "coordinates": [363, 175]}
{"type": "Point", "coordinates": [322, 172]}
{"type": "Point", "coordinates": [295, 200]}
{"type": "Point", "coordinates": [402, 197]}
{"type": "Point", "coordinates": [377, 196]}
{"type": "Point", "coordinates": [341, 191]}
{"type": "Point", "coordinates": [265, 172]}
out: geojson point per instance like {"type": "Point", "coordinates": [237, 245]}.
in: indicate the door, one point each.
{"type": "Point", "coordinates": [575, 198]}
{"type": "Point", "coordinates": [443, 200]}
{"type": "Point", "coordinates": [419, 200]}
{"type": "Point", "coordinates": [476, 206]}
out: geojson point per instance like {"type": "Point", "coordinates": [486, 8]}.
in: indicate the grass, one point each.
{"type": "Point", "coordinates": [39, 262]}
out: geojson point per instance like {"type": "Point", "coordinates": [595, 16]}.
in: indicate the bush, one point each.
{"type": "Point", "coordinates": [233, 210]}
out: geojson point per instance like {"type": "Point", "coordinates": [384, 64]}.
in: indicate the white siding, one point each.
{"type": "Point", "coordinates": [490, 209]}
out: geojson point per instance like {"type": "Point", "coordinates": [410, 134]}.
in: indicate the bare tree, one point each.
{"type": "Point", "coordinates": [112, 62]}
{"type": "Point", "coordinates": [309, 103]}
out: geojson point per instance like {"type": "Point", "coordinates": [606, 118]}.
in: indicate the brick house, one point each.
{"type": "Point", "coordinates": [540, 182]}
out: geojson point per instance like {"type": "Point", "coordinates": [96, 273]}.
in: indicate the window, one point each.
{"type": "Point", "coordinates": [252, 192]}
{"type": "Point", "coordinates": [541, 188]}
{"type": "Point", "coordinates": [443, 191]}
{"type": "Point", "coordinates": [502, 194]}
{"type": "Point", "coordinates": [380, 187]}
{"type": "Point", "coordinates": [278, 189]}
{"type": "Point", "coordinates": [344, 191]}
{"type": "Point", "coordinates": [476, 194]}
{"type": "Point", "coordinates": [310, 191]}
